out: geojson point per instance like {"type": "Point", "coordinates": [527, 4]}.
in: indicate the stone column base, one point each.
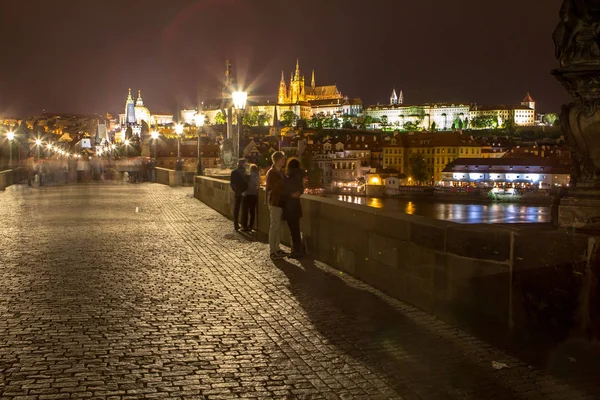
{"type": "Point", "coordinates": [580, 210]}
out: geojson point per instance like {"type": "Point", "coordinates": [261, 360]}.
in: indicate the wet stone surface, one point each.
{"type": "Point", "coordinates": [99, 301]}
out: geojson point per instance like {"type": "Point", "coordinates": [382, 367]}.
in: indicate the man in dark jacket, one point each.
{"type": "Point", "coordinates": [239, 184]}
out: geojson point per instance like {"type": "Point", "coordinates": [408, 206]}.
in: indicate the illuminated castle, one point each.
{"type": "Point", "coordinates": [136, 113]}
{"type": "Point", "coordinates": [298, 92]}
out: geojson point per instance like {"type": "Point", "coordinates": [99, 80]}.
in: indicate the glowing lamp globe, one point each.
{"type": "Point", "coordinates": [239, 100]}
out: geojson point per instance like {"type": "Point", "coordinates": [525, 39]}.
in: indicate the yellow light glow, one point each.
{"type": "Point", "coordinates": [10, 135]}
{"type": "Point", "coordinates": [239, 100]}
{"type": "Point", "coordinates": [38, 142]}
{"type": "Point", "coordinates": [199, 119]}
{"type": "Point", "coordinates": [179, 129]}
{"type": "Point", "coordinates": [154, 135]}
{"type": "Point", "coordinates": [374, 180]}
{"type": "Point", "coordinates": [126, 142]}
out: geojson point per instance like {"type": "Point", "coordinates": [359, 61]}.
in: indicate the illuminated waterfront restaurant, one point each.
{"type": "Point", "coordinates": [524, 173]}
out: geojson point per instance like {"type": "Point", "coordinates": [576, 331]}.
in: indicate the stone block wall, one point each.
{"type": "Point", "coordinates": [488, 278]}
{"type": "Point", "coordinates": [169, 177]}
{"type": "Point", "coordinates": [11, 176]}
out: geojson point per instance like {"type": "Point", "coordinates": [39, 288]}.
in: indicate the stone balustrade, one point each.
{"type": "Point", "coordinates": [11, 176]}
{"type": "Point", "coordinates": [174, 178]}
{"type": "Point", "coordinates": [495, 280]}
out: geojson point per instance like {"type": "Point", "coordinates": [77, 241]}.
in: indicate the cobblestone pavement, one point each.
{"type": "Point", "coordinates": [140, 291]}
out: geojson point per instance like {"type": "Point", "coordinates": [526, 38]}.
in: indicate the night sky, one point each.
{"type": "Point", "coordinates": [80, 56]}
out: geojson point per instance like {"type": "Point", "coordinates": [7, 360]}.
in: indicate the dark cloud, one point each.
{"type": "Point", "coordinates": [81, 56]}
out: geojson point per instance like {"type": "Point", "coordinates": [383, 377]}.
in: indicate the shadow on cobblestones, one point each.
{"type": "Point", "coordinates": [139, 291]}
{"type": "Point", "coordinates": [369, 329]}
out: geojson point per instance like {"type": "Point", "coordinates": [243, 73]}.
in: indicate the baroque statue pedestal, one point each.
{"type": "Point", "coordinates": [227, 155]}
{"type": "Point", "coordinates": [580, 121]}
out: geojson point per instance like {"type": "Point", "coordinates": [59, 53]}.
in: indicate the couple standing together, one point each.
{"type": "Point", "coordinates": [284, 189]}
{"type": "Point", "coordinates": [245, 189]}
{"type": "Point", "coordinates": [283, 199]}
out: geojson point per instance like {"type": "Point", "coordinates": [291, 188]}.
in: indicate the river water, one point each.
{"type": "Point", "coordinates": [465, 213]}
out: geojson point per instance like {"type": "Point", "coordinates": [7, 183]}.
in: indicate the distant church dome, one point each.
{"type": "Point", "coordinates": [141, 112]}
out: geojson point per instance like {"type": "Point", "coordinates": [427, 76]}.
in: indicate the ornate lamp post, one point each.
{"type": "Point", "coordinates": [11, 137]}
{"type": "Point", "coordinates": [199, 119]}
{"type": "Point", "coordinates": [179, 132]}
{"type": "Point", "coordinates": [239, 102]}
{"type": "Point", "coordinates": [578, 52]}
{"type": "Point", "coordinates": [38, 143]}
{"type": "Point", "coordinates": [154, 135]}
{"type": "Point", "coordinates": [126, 147]}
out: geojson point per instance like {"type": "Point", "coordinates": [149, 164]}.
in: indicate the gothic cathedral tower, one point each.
{"type": "Point", "coordinates": [282, 96]}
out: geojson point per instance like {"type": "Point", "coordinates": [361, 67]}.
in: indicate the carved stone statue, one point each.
{"type": "Point", "coordinates": [577, 35]}
{"type": "Point", "coordinates": [577, 40]}
{"type": "Point", "coordinates": [227, 154]}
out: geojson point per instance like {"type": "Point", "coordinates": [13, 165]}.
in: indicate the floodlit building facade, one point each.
{"type": "Point", "coordinates": [437, 150]}
{"type": "Point", "coordinates": [536, 173]}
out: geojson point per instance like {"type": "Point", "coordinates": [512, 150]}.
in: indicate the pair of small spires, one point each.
{"type": "Point", "coordinates": [297, 75]}
{"type": "Point", "coordinates": [395, 99]}
{"type": "Point", "coordinates": [139, 101]}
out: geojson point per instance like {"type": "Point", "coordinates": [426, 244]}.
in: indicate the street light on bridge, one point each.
{"type": "Point", "coordinates": [239, 102]}
{"type": "Point", "coordinates": [154, 135]}
{"type": "Point", "coordinates": [126, 147]}
{"type": "Point", "coordinates": [179, 132]}
{"type": "Point", "coordinates": [38, 143]}
{"type": "Point", "coordinates": [11, 137]}
{"type": "Point", "coordinates": [199, 119]}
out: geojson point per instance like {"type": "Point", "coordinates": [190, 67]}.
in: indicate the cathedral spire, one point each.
{"type": "Point", "coordinates": [312, 83]}
{"type": "Point", "coordinates": [401, 98]}
{"type": "Point", "coordinates": [139, 102]}
{"type": "Point", "coordinates": [394, 97]}
{"type": "Point", "coordinates": [282, 94]}
{"type": "Point", "coordinates": [129, 98]}
{"type": "Point", "coordinates": [298, 67]}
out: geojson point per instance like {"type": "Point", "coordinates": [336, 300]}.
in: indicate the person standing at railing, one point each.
{"type": "Point", "coordinates": [250, 200]}
{"type": "Point", "coordinates": [294, 187]}
{"type": "Point", "coordinates": [239, 184]}
{"type": "Point", "coordinates": [276, 202]}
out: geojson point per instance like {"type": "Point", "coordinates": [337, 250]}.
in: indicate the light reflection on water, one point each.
{"type": "Point", "coordinates": [497, 213]}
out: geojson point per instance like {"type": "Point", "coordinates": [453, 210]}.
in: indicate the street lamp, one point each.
{"type": "Point", "coordinates": [239, 102]}
{"type": "Point", "coordinates": [11, 136]}
{"type": "Point", "coordinates": [199, 119]}
{"type": "Point", "coordinates": [154, 135]}
{"type": "Point", "coordinates": [38, 143]}
{"type": "Point", "coordinates": [127, 147]}
{"type": "Point", "coordinates": [179, 132]}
